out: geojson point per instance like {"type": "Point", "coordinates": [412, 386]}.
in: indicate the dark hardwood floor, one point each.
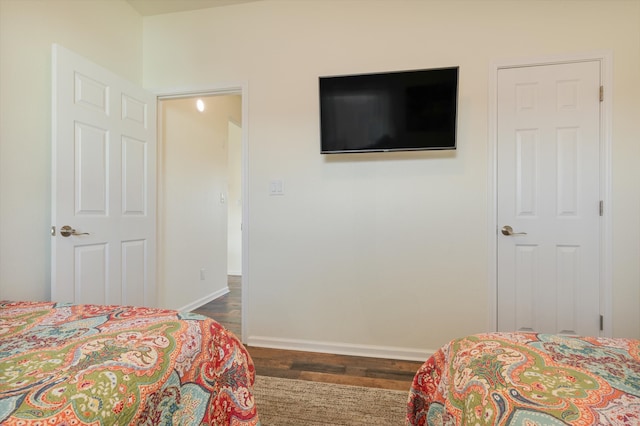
{"type": "Point", "coordinates": [319, 367]}
{"type": "Point", "coordinates": [227, 309]}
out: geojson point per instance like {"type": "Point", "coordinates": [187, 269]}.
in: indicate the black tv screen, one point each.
{"type": "Point", "coordinates": [394, 111]}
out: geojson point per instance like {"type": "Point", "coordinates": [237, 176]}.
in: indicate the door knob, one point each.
{"type": "Point", "coordinates": [507, 230]}
{"type": "Point", "coordinates": [66, 231]}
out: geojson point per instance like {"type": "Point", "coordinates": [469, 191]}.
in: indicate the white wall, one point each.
{"type": "Point", "coordinates": [193, 207]}
{"type": "Point", "coordinates": [388, 253]}
{"type": "Point", "coordinates": [234, 230]}
{"type": "Point", "coordinates": [105, 31]}
{"type": "Point", "coordinates": [385, 251]}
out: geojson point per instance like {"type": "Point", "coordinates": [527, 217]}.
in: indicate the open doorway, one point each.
{"type": "Point", "coordinates": [200, 199]}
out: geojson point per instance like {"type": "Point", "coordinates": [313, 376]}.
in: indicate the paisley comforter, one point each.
{"type": "Point", "coordinates": [528, 379]}
{"type": "Point", "coordinates": [66, 364]}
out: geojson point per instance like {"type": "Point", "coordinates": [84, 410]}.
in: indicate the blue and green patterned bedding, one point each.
{"type": "Point", "coordinates": [528, 379]}
{"type": "Point", "coordinates": [113, 365]}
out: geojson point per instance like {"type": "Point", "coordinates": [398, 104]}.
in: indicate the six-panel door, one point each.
{"type": "Point", "coordinates": [104, 186]}
{"type": "Point", "coordinates": [548, 192]}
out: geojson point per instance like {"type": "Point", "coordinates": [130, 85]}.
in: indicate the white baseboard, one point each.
{"type": "Point", "coordinates": [388, 352]}
{"type": "Point", "coordinates": [204, 300]}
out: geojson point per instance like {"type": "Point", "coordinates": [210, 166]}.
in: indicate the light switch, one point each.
{"type": "Point", "coordinates": [276, 187]}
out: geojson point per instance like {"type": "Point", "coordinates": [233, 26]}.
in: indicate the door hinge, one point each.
{"type": "Point", "coordinates": [601, 208]}
{"type": "Point", "coordinates": [601, 93]}
{"type": "Point", "coordinates": [601, 322]}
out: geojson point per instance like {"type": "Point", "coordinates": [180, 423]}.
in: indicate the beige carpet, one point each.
{"type": "Point", "coordinates": [300, 402]}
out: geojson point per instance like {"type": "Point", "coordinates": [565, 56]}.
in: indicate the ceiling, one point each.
{"type": "Point", "coordinates": [157, 7]}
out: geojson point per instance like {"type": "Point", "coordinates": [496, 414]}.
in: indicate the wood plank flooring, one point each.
{"type": "Point", "coordinates": [319, 367]}
{"type": "Point", "coordinates": [227, 309]}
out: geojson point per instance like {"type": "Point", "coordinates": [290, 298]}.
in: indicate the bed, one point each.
{"type": "Point", "coordinates": [63, 364]}
{"type": "Point", "coordinates": [528, 379]}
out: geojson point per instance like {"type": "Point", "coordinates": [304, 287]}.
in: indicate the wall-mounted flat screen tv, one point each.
{"type": "Point", "coordinates": [393, 111]}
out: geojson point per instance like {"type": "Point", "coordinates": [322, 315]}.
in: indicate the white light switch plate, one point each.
{"type": "Point", "coordinates": [276, 187]}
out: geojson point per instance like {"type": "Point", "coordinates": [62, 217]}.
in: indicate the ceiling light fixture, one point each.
{"type": "Point", "coordinates": [200, 105]}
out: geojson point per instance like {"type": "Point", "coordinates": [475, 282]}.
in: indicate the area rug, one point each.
{"type": "Point", "coordinates": [301, 402]}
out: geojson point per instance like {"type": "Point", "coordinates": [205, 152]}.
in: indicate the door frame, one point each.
{"type": "Point", "coordinates": [606, 258]}
{"type": "Point", "coordinates": [241, 89]}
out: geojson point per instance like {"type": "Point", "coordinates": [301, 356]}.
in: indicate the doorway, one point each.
{"type": "Point", "coordinates": [200, 186]}
{"type": "Point", "coordinates": [550, 229]}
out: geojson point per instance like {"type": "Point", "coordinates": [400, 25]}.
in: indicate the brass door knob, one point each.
{"type": "Point", "coordinates": [67, 231]}
{"type": "Point", "coordinates": [507, 230]}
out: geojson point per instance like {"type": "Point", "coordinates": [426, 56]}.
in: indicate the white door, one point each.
{"type": "Point", "coordinates": [548, 193]}
{"type": "Point", "coordinates": [104, 186]}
